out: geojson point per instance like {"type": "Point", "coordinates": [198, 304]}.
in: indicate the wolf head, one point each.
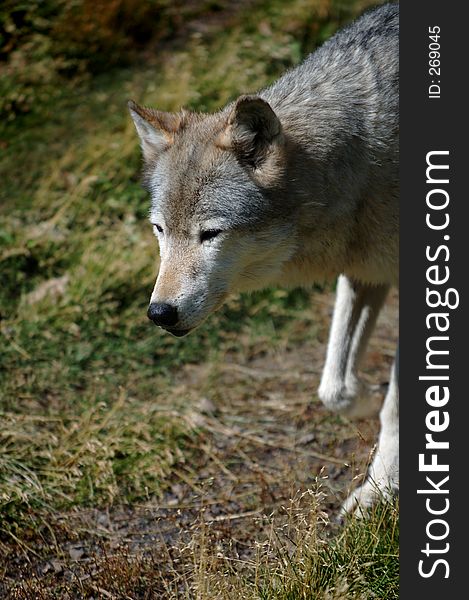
{"type": "Point", "coordinates": [216, 183]}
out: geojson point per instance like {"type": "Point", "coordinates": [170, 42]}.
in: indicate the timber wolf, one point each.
{"type": "Point", "coordinates": [295, 184]}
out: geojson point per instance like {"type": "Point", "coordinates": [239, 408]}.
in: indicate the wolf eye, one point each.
{"type": "Point", "coordinates": [158, 228]}
{"type": "Point", "coordinates": [209, 234]}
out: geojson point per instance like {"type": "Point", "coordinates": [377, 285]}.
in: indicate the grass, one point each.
{"type": "Point", "coordinates": [91, 404]}
{"type": "Point", "coordinates": [301, 557]}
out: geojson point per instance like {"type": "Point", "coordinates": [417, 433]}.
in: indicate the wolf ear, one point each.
{"type": "Point", "coordinates": [253, 131]}
{"type": "Point", "coordinates": [155, 128]}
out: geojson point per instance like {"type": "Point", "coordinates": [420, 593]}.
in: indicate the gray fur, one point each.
{"type": "Point", "coordinates": [300, 184]}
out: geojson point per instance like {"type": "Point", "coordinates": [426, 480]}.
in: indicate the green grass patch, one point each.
{"type": "Point", "coordinates": [361, 561]}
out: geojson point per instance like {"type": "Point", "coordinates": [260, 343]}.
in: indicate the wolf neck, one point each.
{"type": "Point", "coordinates": [342, 128]}
{"type": "Point", "coordinates": [342, 186]}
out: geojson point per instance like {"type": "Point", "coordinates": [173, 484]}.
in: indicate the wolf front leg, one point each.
{"type": "Point", "coordinates": [356, 309]}
{"type": "Point", "coordinates": [383, 474]}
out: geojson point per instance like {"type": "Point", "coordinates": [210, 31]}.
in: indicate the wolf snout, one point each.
{"type": "Point", "coordinates": [163, 314]}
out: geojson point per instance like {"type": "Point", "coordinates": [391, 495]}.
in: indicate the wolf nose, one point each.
{"type": "Point", "coordinates": [163, 314]}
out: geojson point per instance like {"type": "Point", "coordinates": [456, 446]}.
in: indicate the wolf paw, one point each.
{"type": "Point", "coordinates": [354, 399]}
{"type": "Point", "coordinates": [368, 495]}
